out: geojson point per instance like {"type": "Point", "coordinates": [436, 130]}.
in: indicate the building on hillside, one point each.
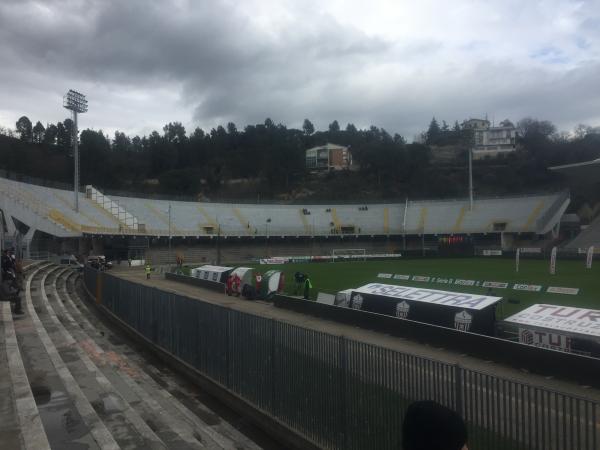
{"type": "Point", "coordinates": [491, 141]}
{"type": "Point", "coordinates": [328, 157]}
{"type": "Point", "coordinates": [476, 124]}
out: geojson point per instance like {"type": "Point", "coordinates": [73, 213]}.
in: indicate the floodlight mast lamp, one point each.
{"type": "Point", "coordinates": [77, 103]}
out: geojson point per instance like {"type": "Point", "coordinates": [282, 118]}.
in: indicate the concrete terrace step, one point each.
{"type": "Point", "coordinates": [125, 426]}
{"type": "Point", "coordinates": [68, 418]}
{"type": "Point", "coordinates": [121, 376]}
{"type": "Point", "coordinates": [13, 378]}
{"type": "Point", "coordinates": [164, 393]}
{"type": "Point", "coordinates": [71, 382]}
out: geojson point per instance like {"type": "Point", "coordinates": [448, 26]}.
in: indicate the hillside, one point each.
{"type": "Point", "coordinates": [266, 162]}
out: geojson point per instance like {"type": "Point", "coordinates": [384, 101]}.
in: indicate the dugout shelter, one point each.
{"type": "Point", "coordinates": [212, 273]}
{"type": "Point", "coordinates": [461, 311]}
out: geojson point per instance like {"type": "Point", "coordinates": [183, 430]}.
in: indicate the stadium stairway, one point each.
{"type": "Point", "coordinates": [68, 381]}
{"type": "Point", "coordinates": [588, 237]}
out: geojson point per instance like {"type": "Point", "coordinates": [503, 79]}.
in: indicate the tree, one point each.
{"type": "Point", "coordinates": [445, 127]}
{"type": "Point", "coordinates": [308, 127]}
{"type": "Point", "coordinates": [350, 128]}
{"type": "Point", "coordinates": [137, 144]}
{"type": "Point", "coordinates": [121, 143]}
{"type": "Point", "coordinates": [399, 140]}
{"type": "Point", "coordinates": [506, 123]}
{"type": "Point", "coordinates": [174, 132]}
{"type": "Point", "coordinates": [50, 134]}
{"type": "Point", "coordinates": [334, 127]}
{"type": "Point", "coordinates": [6, 132]}
{"type": "Point", "coordinates": [533, 127]}
{"type": "Point", "coordinates": [198, 134]}
{"type": "Point", "coordinates": [95, 162]}
{"type": "Point", "coordinates": [231, 128]}
{"type": "Point", "coordinates": [456, 127]}
{"type": "Point", "coordinates": [24, 128]}
{"type": "Point", "coordinates": [582, 131]}
{"type": "Point", "coordinates": [64, 134]}
{"type": "Point", "coordinates": [433, 131]}
{"type": "Point", "coordinates": [38, 132]}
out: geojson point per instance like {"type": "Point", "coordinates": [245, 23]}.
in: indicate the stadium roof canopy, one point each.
{"type": "Point", "coordinates": [587, 172]}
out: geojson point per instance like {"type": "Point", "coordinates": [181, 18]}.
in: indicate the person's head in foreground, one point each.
{"type": "Point", "coordinates": [431, 426]}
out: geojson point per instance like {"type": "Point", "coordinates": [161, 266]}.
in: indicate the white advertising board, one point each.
{"type": "Point", "coordinates": [421, 278]}
{"type": "Point", "coordinates": [401, 277]}
{"type": "Point", "coordinates": [560, 318]}
{"type": "Point", "coordinates": [275, 260]}
{"type": "Point", "coordinates": [531, 250]}
{"type": "Point", "coordinates": [562, 290]}
{"type": "Point", "coordinates": [433, 296]}
{"type": "Point", "coordinates": [384, 275]}
{"type": "Point", "coordinates": [527, 287]}
{"type": "Point", "coordinates": [494, 284]}
{"type": "Point", "coordinates": [488, 252]}
{"type": "Point", "coordinates": [464, 282]}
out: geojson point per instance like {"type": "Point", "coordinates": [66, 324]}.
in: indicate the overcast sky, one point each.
{"type": "Point", "coordinates": [393, 64]}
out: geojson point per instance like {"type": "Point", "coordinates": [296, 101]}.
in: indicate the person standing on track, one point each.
{"type": "Point", "coordinates": [148, 270]}
{"type": "Point", "coordinates": [307, 287]}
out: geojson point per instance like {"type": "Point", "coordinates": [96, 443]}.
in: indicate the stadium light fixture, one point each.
{"type": "Point", "coordinates": [76, 103]}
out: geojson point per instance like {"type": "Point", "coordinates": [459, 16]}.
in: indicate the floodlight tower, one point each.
{"type": "Point", "coordinates": [76, 102]}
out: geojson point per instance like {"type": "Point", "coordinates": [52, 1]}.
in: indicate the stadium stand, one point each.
{"type": "Point", "coordinates": [50, 210]}
{"type": "Point", "coordinates": [67, 381]}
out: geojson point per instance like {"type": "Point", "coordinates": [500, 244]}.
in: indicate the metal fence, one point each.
{"type": "Point", "coordinates": [342, 393]}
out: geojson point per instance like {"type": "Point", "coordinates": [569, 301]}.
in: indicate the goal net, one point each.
{"type": "Point", "coordinates": [343, 254]}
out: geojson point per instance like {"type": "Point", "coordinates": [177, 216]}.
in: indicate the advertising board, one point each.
{"type": "Point", "coordinates": [488, 252]}
{"type": "Point", "coordinates": [457, 299]}
{"type": "Point", "coordinates": [527, 287]}
{"type": "Point", "coordinates": [464, 282]}
{"type": "Point", "coordinates": [401, 277]}
{"type": "Point", "coordinates": [566, 319]}
{"type": "Point", "coordinates": [421, 278]}
{"type": "Point", "coordinates": [562, 290]}
{"type": "Point", "coordinates": [460, 311]}
{"type": "Point", "coordinates": [494, 284]}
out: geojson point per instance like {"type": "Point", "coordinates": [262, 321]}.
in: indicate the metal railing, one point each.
{"type": "Point", "coordinates": [342, 393]}
{"type": "Point", "coordinates": [39, 255]}
{"type": "Point", "coordinates": [123, 216]}
{"type": "Point", "coordinates": [552, 210]}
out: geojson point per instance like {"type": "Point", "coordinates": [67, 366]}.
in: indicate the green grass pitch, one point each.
{"type": "Point", "coordinates": [332, 277]}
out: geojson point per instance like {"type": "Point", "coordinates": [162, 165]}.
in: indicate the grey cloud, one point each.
{"type": "Point", "coordinates": [224, 67]}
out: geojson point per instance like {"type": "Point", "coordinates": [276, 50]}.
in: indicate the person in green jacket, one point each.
{"type": "Point", "coordinates": [307, 287]}
{"type": "Point", "coordinates": [148, 270]}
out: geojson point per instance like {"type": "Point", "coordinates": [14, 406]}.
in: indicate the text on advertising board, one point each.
{"type": "Point", "coordinates": [563, 318]}
{"type": "Point", "coordinates": [527, 287]}
{"type": "Point", "coordinates": [545, 339]}
{"type": "Point", "coordinates": [459, 299]}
